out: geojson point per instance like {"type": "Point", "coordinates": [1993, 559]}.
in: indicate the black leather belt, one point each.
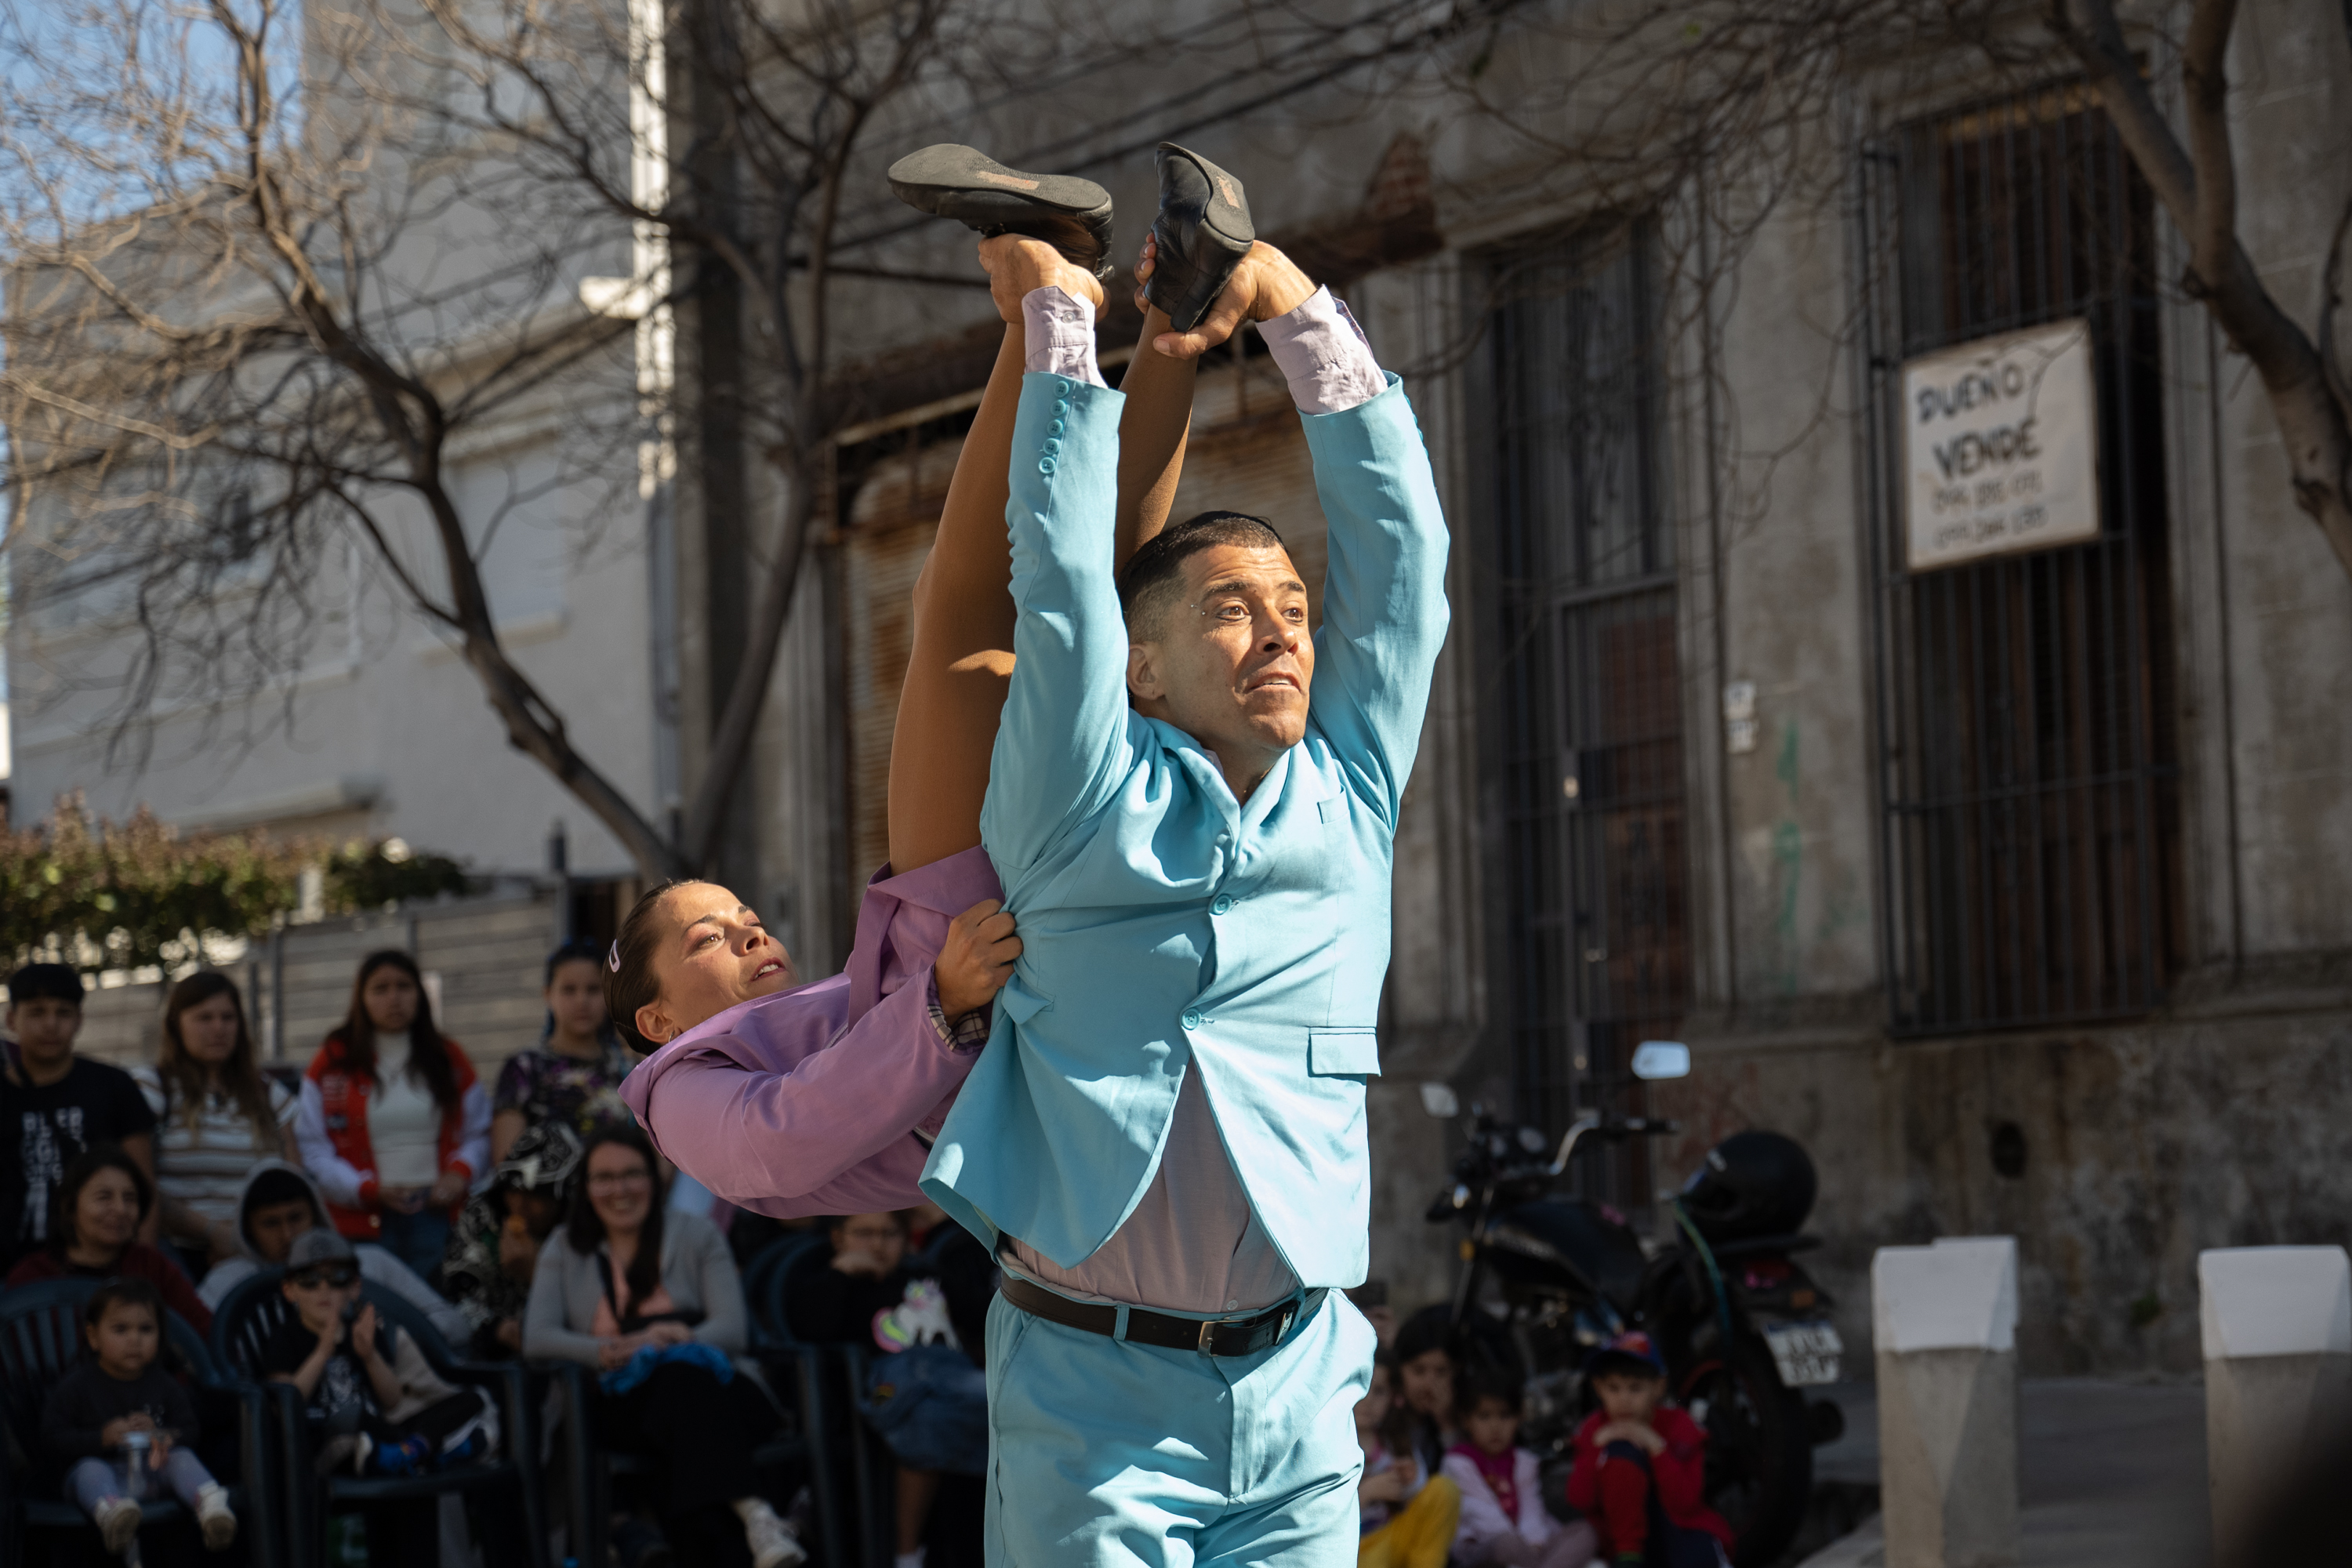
{"type": "Point", "coordinates": [1215, 1336]}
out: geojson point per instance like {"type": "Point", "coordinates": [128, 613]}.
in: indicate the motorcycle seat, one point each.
{"type": "Point", "coordinates": [1749, 1246]}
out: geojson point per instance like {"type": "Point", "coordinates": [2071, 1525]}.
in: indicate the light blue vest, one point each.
{"type": "Point", "coordinates": [1166, 927]}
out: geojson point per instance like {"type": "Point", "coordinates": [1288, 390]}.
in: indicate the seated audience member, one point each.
{"type": "Point", "coordinates": [393, 1123]}
{"type": "Point", "coordinates": [649, 1298]}
{"type": "Point", "coordinates": [58, 1104]}
{"type": "Point", "coordinates": [1426, 1364]}
{"type": "Point", "coordinates": [215, 1115]}
{"type": "Point", "coordinates": [279, 1203]}
{"type": "Point", "coordinates": [868, 1296]}
{"type": "Point", "coordinates": [1407, 1516]}
{"type": "Point", "coordinates": [1640, 1471]}
{"type": "Point", "coordinates": [494, 1251]}
{"type": "Point", "coordinates": [573, 1075]}
{"type": "Point", "coordinates": [91, 1412]}
{"type": "Point", "coordinates": [371, 1402]}
{"type": "Point", "coordinates": [1504, 1520]}
{"type": "Point", "coordinates": [93, 1232]}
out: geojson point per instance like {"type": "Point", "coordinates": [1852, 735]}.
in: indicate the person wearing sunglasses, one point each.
{"type": "Point", "coordinates": [371, 1401]}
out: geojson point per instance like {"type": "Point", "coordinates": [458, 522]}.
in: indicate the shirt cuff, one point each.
{"type": "Point", "coordinates": [1323, 354]}
{"type": "Point", "coordinates": [968, 1033]}
{"type": "Point", "coordinates": [1060, 335]}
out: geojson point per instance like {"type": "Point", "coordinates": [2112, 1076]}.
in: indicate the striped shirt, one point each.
{"type": "Point", "coordinates": [202, 1159]}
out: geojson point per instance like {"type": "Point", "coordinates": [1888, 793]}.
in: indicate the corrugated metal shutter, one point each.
{"type": "Point", "coordinates": [1247, 454]}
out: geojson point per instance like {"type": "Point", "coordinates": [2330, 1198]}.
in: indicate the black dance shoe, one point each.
{"type": "Point", "coordinates": [1203, 229]}
{"type": "Point", "coordinates": [1069, 214]}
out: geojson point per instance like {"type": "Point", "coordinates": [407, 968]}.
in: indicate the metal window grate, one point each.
{"type": "Point", "coordinates": [1586, 808]}
{"type": "Point", "coordinates": [2029, 775]}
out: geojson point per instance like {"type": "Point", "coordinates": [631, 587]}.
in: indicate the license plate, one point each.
{"type": "Point", "coordinates": [1806, 1353]}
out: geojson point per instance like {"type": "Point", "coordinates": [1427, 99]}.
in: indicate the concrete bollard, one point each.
{"type": "Point", "coordinates": [1946, 1321]}
{"type": "Point", "coordinates": [2277, 1325]}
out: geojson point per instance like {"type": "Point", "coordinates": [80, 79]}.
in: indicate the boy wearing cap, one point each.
{"type": "Point", "coordinates": [1639, 1474]}
{"type": "Point", "coordinates": [55, 1104]}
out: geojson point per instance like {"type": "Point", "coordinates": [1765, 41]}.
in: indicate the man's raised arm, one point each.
{"type": "Point", "coordinates": [1062, 743]}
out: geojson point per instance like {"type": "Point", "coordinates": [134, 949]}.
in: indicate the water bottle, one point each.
{"type": "Point", "coordinates": [135, 1447]}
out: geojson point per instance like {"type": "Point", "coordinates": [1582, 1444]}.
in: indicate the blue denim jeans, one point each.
{"type": "Point", "coordinates": [91, 1481]}
{"type": "Point", "coordinates": [417, 1239]}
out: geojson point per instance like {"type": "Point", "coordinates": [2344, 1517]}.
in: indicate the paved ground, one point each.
{"type": "Point", "coordinates": [2112, 1475]}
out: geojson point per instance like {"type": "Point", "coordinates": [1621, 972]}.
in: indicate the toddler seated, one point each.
{"type": "Point", "coordinates": [1504, 1520]}
{"type": "Point", "coordinates": [94, 1410]}
{"type": "Point", "coordinates": [1640, 1473]}
{"type": "Point", "coordinates": [1407, 1518]}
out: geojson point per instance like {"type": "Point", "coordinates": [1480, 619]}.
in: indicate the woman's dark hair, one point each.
{"type": "Point", "coordinates": [428, 1054]}
{"type": "Point", "coordinates": [579, 950]}
{"type": "Point", "coordinates": [123, 1291]}
{"type": "Point", "coordinates": [630, 982]}
{"type": "Point", "coordinates": [79, 1171]}
{"type": "Point", "coordinates": [185, 1079]}
{"type": "Point", "coordinates": [583, 1229]}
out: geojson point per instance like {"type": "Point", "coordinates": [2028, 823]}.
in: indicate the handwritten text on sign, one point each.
{"type": "Point", "coordinates": [2001, 444]}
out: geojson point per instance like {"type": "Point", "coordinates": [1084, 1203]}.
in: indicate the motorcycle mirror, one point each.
{"type": "Point", "coordinates": [1439, 1099]}
{"type": "Point", "coordinates": [1658, 1058]}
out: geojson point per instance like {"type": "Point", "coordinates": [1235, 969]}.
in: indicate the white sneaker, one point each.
{"type": "Point", "coordinates": [213, 1512]}
{"type": "Point", "coordinates": [774, 1544]}
{"type": "Point", "coordinates": [118, 1523]}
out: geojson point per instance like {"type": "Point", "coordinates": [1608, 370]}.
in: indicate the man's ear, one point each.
{"type": "Point", "coordinates": [1143, 671]}
{"type": "Point", "coordinates": [655, 1026]}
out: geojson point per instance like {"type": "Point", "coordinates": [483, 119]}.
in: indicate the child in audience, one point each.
{"type": "Point", "coordinates": [370, 1396]}
{"type": "Point", "coordinates": [118, 1391]}
{"type": "Point", "coordinates": [1408, 1516]}
{"type": "Point", "coordinates": [1425, 1362]}
{"type": "Point", "coordinates": [1503, 1517]}
{"type": "Point", "coordinates": [869, 1296]}
{"type": "Point", "coordinates": [1641, 1465]}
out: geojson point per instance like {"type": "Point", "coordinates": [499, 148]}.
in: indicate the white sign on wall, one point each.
{"type": "Point", "coordinates": [2001, 445]}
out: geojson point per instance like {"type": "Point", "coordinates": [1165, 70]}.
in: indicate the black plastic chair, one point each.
{"type": "Point", "coordinates": [593, 1468]}
{"type": "Point", "coordinates": [40, 1341]}
{"type": "Point", "coordinates": [831, 1376]}
{"type": "Point", "coordinates": [243, 1327]}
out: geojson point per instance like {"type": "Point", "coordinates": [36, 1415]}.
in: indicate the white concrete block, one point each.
{"type": "Point", "coordinates": [2277, 1325]}
{"type": "Point", "coordinates": [1945, 1320]}
{"type": "Point", "coordinates": [1958, 1294]}
{"type": "Point", "coordinates": [2275, 1300]}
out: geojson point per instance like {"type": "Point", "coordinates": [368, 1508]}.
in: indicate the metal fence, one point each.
{"type": "Point", "coordinates": [2030, 782]}
{"type": "Point", "coordinates": [1585, 802]}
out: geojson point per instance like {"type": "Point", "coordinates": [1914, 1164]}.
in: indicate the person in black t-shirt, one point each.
{"type": "Point", "coordinates": [54, 1104]}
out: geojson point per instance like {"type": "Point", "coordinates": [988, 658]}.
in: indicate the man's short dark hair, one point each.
{"type": "Point", "coordinates": [1156, 569]}
{"type": "Point", "coordinates": [45, 982]}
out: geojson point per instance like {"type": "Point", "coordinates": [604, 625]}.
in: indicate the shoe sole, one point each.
{"type": "Point", "coordinates": [120, 1528]}
{"type": "Point", "coordinates": [218, 1539]}
{"type": "Point", "coordinates": [962, 182]}
{"type": "Point", "coordinates": [1180, 286]}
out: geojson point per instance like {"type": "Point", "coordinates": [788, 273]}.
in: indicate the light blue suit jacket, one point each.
{"type": "Point", "coordinates": [1165, 926]}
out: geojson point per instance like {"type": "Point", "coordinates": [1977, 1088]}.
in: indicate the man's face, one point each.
{"type": "Point", "coordinates": [45, 1027]}
{"type": "Point", "coordinates": [877, 1235]}
{"type": "Point", "coordinates": [1230, 662]}
{"type": "Point", "coordinates": [274, 1226]}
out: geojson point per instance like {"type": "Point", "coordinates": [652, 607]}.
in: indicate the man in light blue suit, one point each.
{"type": "Point", "coordinates": [1192, 807]}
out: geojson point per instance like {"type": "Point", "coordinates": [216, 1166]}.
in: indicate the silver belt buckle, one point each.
{"type": "Point", "coordinates": [1208, 1345]}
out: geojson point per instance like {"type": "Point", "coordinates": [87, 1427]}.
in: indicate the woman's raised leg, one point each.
{"type": "Point", "coordinates": [961, 659]}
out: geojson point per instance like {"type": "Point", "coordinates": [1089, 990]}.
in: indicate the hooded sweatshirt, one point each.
{"type": "Point", "coordinates": [376, 1265]}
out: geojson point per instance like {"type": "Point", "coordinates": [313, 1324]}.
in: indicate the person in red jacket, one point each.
{"type": "Point", "coordinates": [1639, 1474]}
{"type": "Point", "coordinates": [393, 1125]}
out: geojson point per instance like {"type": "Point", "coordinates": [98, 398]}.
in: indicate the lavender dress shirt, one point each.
{"type": "Point", "coordinates": [824, 1099]}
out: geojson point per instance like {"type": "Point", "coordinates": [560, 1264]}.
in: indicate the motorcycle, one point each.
{"type": "Point", "coordinates": [1744, 1330]}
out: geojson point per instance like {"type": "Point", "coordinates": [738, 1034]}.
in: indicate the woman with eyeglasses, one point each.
{"type": "Point", "coordinates": [649, 1299]}
{"type": "Point", "coordinates": [101, 1203]}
